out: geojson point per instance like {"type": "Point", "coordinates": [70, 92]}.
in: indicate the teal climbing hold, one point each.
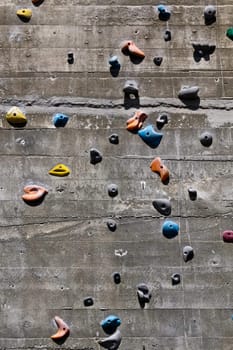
{"type": "Point", "coordinates": [150, 136]}
{"type": "Point", "coordinates": [229, 33]}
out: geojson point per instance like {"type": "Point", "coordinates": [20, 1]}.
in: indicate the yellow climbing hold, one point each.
{"type": "Point", "coordinates": [16, 118]}
{"type": "Point", "coordinates": [60, 170]}
{"type": "Point", "coordinates": [24, 14]}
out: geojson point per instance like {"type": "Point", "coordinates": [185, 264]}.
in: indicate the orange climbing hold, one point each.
{"type": "Point", "coordinates": [129, 48]}
{"type": "Point", "coordinates": [157, 167]}
{"type": "Point", "coordinates": [135, 123]}
{"type": "Point", "coordinates": [34, 193]}
{"type": "Point", "coordinates": [63, 330]}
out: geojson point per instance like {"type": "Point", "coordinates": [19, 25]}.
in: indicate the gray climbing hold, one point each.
{"type": "Point", "coordinates": [163, 206]}
{"type": "Point", "coordinates": [112, 225]}
{"type": "Point", "coordinates": [161, 121]}
{"type": "Point", "coordinates": [112, 342]}
{"type": "Point", "coordinates": [175, 278]}
{"type": "Point", "coordinates": [188, 253]}
{"type": "Point", "coordinates": [112, 190]}
{"type": "Point", "coordinates": [206, 139]}
{"type": "Point", "coordinates": [116, 277]}
{"type": "Point", "coordinates": [188, 93]}
{"type": "Point", "coordinates": [143, 294]}
{"type": "Point", "coordinates": [88, 301]}
{"type": "Point", "coordinates": [192, 194]}
{"type": "Point", "coordinates": [95, 156]}
{"type": "Point", "coordinates": [114, 139]}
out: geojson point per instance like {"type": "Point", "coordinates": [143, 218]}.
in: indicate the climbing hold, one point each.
{"type": "Point", "coordinates": [157, 167]}
{"type": "Point", "coordinates": [170, 229]}
{"type": "Point", "coordinates": [192, 194]}
{"type": "Point", "coordinates": [95, 156]}
{"type": "Point", "coordinates": [167, 35]}
{"type": "Point", "coordinates": [163, 206]}
{"type": "Point", "coordinates": [228, 236]}
{"type": "Point", "coordinates": [63, 330]}
{"type": "Point", "coordinates": [188, 253]}
{"type": "Point", "coordinates": [60, 120]}
{"type": "Point", "coordinates": [161, 121]}
{"type": "Point", "coordinates": [143, 294]}
{"type": "Point", "coordinates": [114, 62]}
{"type": "Point", "coordinates": [229, 33]}
{"type": "Point", "coordinates": [110, 324]}
{"type": "Point", "coordinates": [112, 342]}
{"type": "Point", "coordinates": [70, 57]}
{"type": "Point", "coordinates": [158, 60]}
{"type": "Point", "coordinates": [135, 123]}
{"type": "Point", "coordinates": [164, 13]}
{"type": "Point", "coordinates": [206, 139]}
{"type": "Point", "coordinates": [16, 118]}
{"type": "Point", "coordinates": [188, 93]}
{"type": "Point", "coordinates": [37, 2]}
{"type": "Point", "coordinates": [112, 225]}
{"type": "Point", "coordinates": [88, 301]}
{"type": "Point", "coordinates": [131, 88]}
{"type": "Point", "coordinates": [203, 51]}
{"type": "Point", "coordinates": [116, 278]}
{"type": "Point", "coordinates": [24, 14]}
{"type": "Point", "coordinates": [34, 193]}
{"type": "Point", "coordinates": [150, 136]}
{"type": "Point", "coordinates": [60, 170]}
{"type": "Point", "coordinates": [175, 278]}
{"type": "Point", "coordinates": [209, 14]}
{"type": "Point", "coordinates": [114, 139]}
{"type": "Point", "coordinates": [130, 49]}
{"type": "Point", "coordinates": [112, 190]}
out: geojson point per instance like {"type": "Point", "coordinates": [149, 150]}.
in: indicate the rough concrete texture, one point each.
{"type": "Point", "coordinates": [56, 254]}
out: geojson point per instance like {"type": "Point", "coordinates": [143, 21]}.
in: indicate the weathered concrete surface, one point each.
{"type": "Point", "coordinates": [56, 254]}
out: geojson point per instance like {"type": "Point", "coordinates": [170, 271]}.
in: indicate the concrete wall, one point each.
{"type": "Point", "coordinates": [55, 254]}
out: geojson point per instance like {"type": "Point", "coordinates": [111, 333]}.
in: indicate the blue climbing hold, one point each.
{"type": "Point", "coordinates": [164, 13]}
{"type": "Point", "coordinates": [110, 324]}
{"type": "Point", "coordinates": [150, 136]}
{"type": "Point", "coordinates": [170, 229]}
{"type": "Point", "coordinates": [60, 120]}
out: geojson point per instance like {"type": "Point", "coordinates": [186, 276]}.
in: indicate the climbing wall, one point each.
{"type": "Point", "coordinates": [116, 182]}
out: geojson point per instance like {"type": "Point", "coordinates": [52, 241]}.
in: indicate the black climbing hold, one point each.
{"type": "Point", "coordinates": [131, 87]}
{"type": "Point", "coordinates": [112, 225]}
{"type": "Point", "coordinates": [112, 342]}
{"type": "Point", "coordinates": [161, 121]}
{"type": "Point", "coordinates": [131, 96]}
{"type": "Point", "coordinates": [192, 194]}
{"type": "Point", "coordinates": [116, 278]}
{"type": "Point", "coordinates": [188, 93]}
{"type": "Point", "coordinates": [164, 13]}
{"type": "Point", "coordinates": [203, 51]}
{"type": "Point", "coordinates": [167, 35]}
{"type": "Point", "coordinates": [143, 294]}
{"type": "Point", "coordinates": [188, 253]}
{"type": "Point", "coordinates": [114, 139]}
{"type": "Point", "coordinates": [112, 190]}
{"type": "Point", "coordinates": [175, 278]}
{"type": "Point", "coordinates": [95, 156]}
{"type": "Point", "coordinates": [158, 60]}
{"type": "Point", "coordinates": [163, 206]}
{"type": "Point", "coordinates": [209, 14]}
{"type": "Point", "coordinates": [206, 139]}
{"type": "Point", "coordinates": [88, 301]}
{"type": "Point", "coordinates": [70, 57]}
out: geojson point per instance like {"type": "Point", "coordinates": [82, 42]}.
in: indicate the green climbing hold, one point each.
{"type": "Point", "coordinates": [229, 33]}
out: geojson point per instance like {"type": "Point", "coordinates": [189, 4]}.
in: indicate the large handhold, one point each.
{"type": "Point", "coordinates": [62, 332]}
{"type": "Point", "coordinates": [130, 49]}
{"type": "Point", "coordinates": [160, 169]}
{"type": "Point", "coordinates": [210, 14]}
{"type": "Point", "coordinates": [135, 123]}
{"type": "Point", "coordinates": [188, 93]}
{"type": "Point", "coordinates": [188, 253]}
{"type": "Point", "coordinates": [24, 14]}
{"type": "Point", "coordinates": [110, 324]}
{"type": "Point", "coordinates": [95, 156]}
{"type": "Point", "coordinates": [170, 229]}
{"type": "Point", "coordinates": [60, 120]}
{"type": "Point", "coordinates": [164, 13]}
{"type": "Point", "coordinates": [60, 170]}
{"type": "Point", "coordinates": [203, 51]}
{"type": "Point", "coordinates": [163, 206]}
{"type": "Point", "coordinates": [34, 194]}
{"type": "Point", "coordinates": [37, 2]}
{"type": "Point", "coordinates": [150, 136]}
{"type": "Point", "coordinates": [228, 236]}
{"type": "Point", "coordinates": [16, 118]}
{"type": "Point", "coordinates": [112, 342]}
{"type": "Point", "coordinates": [143, 294]}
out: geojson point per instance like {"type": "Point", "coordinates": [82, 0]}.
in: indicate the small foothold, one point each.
{"type": "Point", "coordinates": [229, 33]}
{"type": "Point", "coordinates": [112, 342]}
{"type": "Point", "coordinates": [170, 229]}
{"type": "Point", "coordinates": [114, 62]}
{"type": "Point", "coordinates": [16, 118]}
{"type": "Point", "coordinates": [161, 121]}
{"type": "Point", "coordinates": [158, 60]}
{"type": "Point", "coordinates": [24, 14]}
{"type": "Point", "coordinates": [37, 2]}
{"type": "Point", "coordinates": [188, 93]}
{"type": "Point", "coordinates": [110, 324]}
{"type": "Point", "coordinates": [116, 278]}
{"type": "Point", "coordinates": [135, 123]}
{"type": "Point", "coordinates": [143, 294]}
{"type": "Point", "coordinates": [164, 13]}
{"type": "Point", "coordinates": [163, 206]}
{"type": "Point", "coordinates": [157, 167]}
{"type": "Point", "coordinates": [210, 14]}
{"type": "Point", "coordinates": [175, 278]}
{"type": "Point", "coordinates": [206, 139]}
{"type": "Point", "coordinates": [88, 301]}
{"type": "Point", "coordinates": [129, 48]}
{"type": "Point", "coordinates": [63, 330]}
{"type": "Point", "coordinates": [70, 57]}
{"type": "Point", "coordinates": [228, 236]}
{"type": "Point", "coordinates": [188, 253]}
{"type": "Point", "coordinates": [60, 170]}
{"type": "Point", "coordinates": [112, 190]}
{"type": "Point", "coordinates": [192, 194]}
{"type": "Point", "coordinates": [60, 120]}
{"type": "Point", "coordinates": [112, 225]}
{"type": "Point", "coordinates": [34, 193]}
{"type": "Point", "coordinates": [95, 156]}
{"type": "Point", "coordinates": [114, 139]}
{"type": "Point", "coordinates": [150, 136]}
{"type": "Point", "coordinates": [167, 35]}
